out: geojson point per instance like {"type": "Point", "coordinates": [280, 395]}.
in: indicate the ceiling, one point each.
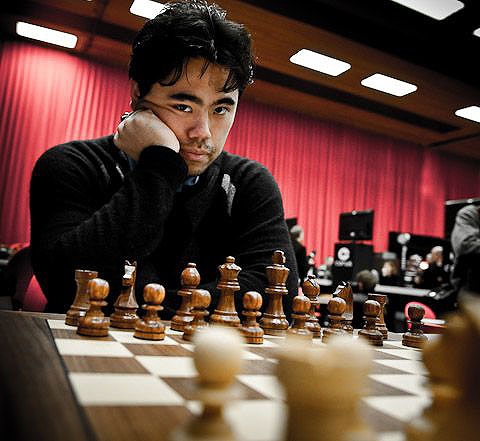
{"type": "Point", "coordinates": [374, 36]}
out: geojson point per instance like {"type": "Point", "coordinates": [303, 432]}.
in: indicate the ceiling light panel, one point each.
{"type": "Point", "coordinates": [321, 63]}
{"type": "Point", "coordinates": [437, 9]}
{"type": "Point", "coordinates": [146, 8]}
{"type": "Point", "coordinates": [46, 34]}
{"type": "Point", "coordinates": [388, 85]}
{"type": "Point", "coordinates": [476, 32]}
{"type": "Point", "coordinates": [471, 112]}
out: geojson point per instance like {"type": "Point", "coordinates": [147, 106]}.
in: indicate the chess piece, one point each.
{"type": "Point", "coordinates": [189, 279]}
{"type": "Point", "coordinates": [81, 303]}
{"type": "Point", "coordinates": [336, 307]}
{"type": "Point", "coordinates": [150, 327]}
{"type": "Point", "coordinates": [251, 330]}
{"type": "Point", "coordinates": [311, 288]}
{"type": "Point", "coordinates": [200, 302]}
{"type": "Point", "coordinates": [217, 357]}
{"type": "Point", "coordinates": [415, 338]}
{"type": "Point", "coordinates": [301, 310]}
{"type": "Point", "coordinates": [225, 312]}
{"type": "Point", "coordinates": [323, 389]}
{"type": "Point", "coordinates": [453, 365]}
{"type": "Point", "coordinates": [371, 310]}
{"type": "Point", "coordinates": [382, 299]}
{"type": "Point", "coordinates": [94, 323]}
{"type": "Point", "coordinates": [344, 290]}
{"type": "Point", "coordinates": [274, 321]}
{"type": "Point", "coordinates": [125, 314]}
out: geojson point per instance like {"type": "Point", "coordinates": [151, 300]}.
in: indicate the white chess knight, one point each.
{"type": "Point", "coordinates": [217, 357]}
{"type": "Point", "coordinates": [323, 387]}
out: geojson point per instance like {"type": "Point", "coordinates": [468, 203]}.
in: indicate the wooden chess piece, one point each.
{"type": "Point", "coordinates": [125, 314]}
{"type": "Point", "coordinates": [311, 288]}
{"type": "Point", "coordinates": [324, 388]}
{"type": "Point", "coordinates": [336, 307]}
{"type": "Point", "coordinates": [453, 365]}
{"type": "Point", "coordinates": [251, 330]}
{"type": "Point", "coordinates": [200, 302]}
{"type": "Point", "coordinates": [81, 302]}
{"type": "Point", "coordinates": [189, 279]}
{"type": "Point", "coordinates": [274, 321]}
{"type": "Point", "coordinates": [217, 357]}
{"type": "Point", "coordinates": [371, 310]}
{"type": "Point", "coordinates": [94, 323]}
{"type": "Point", "coordinates": [344, 290]}
{"type": "Point", "coordinates": [150, 327]}
{"type": "Point", "coordinates": [301, 312]}
{"type": "Point", "coordinates": [225, 312]}
{"type": "Point", "coordinates": [415, 338]}
{"type": "Point", "coordinates": [382, 299]}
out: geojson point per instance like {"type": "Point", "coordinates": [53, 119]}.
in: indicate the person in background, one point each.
{"type": "Point", "coordinates": [364, 283]}
{"type": "Point", "coordinates": [390, 274]}
{"type": "Point", "coordinates": [434, 274]}
{"type": "Point", "coordinates": [297, 236]}
{"type": "Point", "coordinates": [465, 241]}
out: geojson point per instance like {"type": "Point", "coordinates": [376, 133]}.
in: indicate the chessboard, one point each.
{"type": "Point", "coordinates": [132, 389]}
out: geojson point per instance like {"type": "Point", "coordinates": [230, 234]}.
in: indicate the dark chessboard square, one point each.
{"type": "Point", "coordinates": [379, 421]}
{"type": "Point", "coordinates": [115, 423]}
{"type": "Point", "coordinates": [115, 365]}
{"type": "Point", "coordinates": [379, 368]}
{"type": "Point", "coordinates": [186, 388]}
{"type": "Point", "coordinates": [71, 334]}
{"type": "Point", "coordinates": [163, 350]}
{"type": "Point", "coordinates": [376, 388]}
{"type": "Point", "coordinates": [258, 367]}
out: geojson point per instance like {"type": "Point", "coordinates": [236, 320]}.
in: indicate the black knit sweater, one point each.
{"type": "Point", "coordinates": [92, 208]}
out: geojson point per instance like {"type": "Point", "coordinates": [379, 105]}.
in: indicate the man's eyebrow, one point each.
{"type": "Point", "coordinates": [197, 100]}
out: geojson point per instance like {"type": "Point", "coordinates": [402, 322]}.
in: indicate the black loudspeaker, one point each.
{"type": "Point", "coordinates": [349, 259]}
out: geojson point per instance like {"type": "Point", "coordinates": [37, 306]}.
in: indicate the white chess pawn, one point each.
{"type": "Point", "coordinates": [217, 357]}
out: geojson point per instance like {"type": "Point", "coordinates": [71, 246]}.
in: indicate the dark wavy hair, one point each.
{"type": "Point", "coordinates": [185, 30]}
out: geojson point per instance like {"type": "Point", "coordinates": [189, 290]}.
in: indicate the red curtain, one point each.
{"type": "Point", "coordinates": [322, 168]}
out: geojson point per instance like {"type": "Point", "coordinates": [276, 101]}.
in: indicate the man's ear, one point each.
{"type": "Point", "coordinates": [134, 94]}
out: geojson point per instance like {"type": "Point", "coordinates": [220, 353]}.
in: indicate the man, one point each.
{"type": "Point", "coordinates": [161, 191]}
{"type": "Point", "coordinates": [466, 248]}
{"type": "Point", "coordinates": [297, 236]}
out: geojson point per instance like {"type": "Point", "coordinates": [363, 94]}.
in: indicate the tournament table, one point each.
{"type": "Point", "coordinates": [42, 397]}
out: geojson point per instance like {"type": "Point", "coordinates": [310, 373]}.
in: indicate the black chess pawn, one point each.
{"type": "Point", "coordinates": [200, 302]}
{"type": "Point", "coordinates": [251, 330]}
{"type": "Point", "coordinates": [94, 323]}
{"type": "Point", "coordinates": [371, 311]}
{"type": "Point", "coordinates": [301, 309]}
{"type": "Point", "coordinates": [150, 327]}
{"type": "Point", "coordinates": [189, 279]}
{"type": "Point", "coordinates": [415, 338]}
{"type": "Point", "coordinates": [336, 307]}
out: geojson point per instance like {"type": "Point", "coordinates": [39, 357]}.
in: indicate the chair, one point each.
{"type": "Point", "coordinates": [27, 294]}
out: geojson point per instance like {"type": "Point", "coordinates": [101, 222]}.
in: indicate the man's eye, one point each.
{"type": "Point", "coordinates": [183, 107]}
{"type": "Point", "coordinates": [221, 110]}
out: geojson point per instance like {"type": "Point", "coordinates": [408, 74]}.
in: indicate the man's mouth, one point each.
{"type": "Point", "coordinates": [193, 156]}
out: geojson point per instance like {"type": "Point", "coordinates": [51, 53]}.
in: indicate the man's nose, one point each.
{"type": "Point", "coordinates": [200, 129]}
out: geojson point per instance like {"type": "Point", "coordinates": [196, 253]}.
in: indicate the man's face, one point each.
{"type": "Point", "coordinates": [197, 111]}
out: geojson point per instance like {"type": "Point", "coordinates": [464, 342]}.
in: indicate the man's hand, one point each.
{"type": "Point", "coordinates": [142, 129]}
